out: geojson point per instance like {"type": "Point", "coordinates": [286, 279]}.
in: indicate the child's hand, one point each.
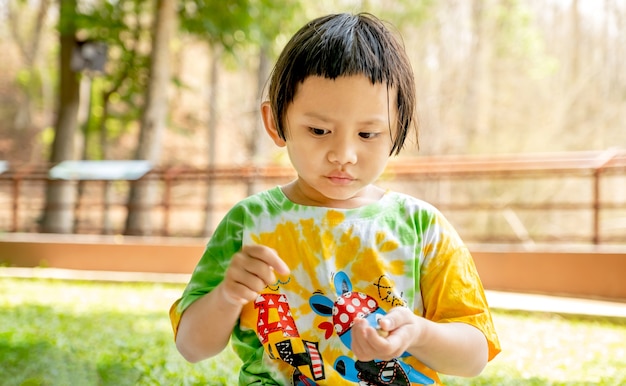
{"type": "Point", "coordinates": [398, 330]}
{"type": "Point", "coordinates": [251, 270]}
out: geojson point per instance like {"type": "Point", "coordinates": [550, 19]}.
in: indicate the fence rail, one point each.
{"type": "Point", "coordinates": [576, 197]}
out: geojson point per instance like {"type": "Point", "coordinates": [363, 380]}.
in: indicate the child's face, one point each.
{"type": "Point", "coordinates": [339, 139]}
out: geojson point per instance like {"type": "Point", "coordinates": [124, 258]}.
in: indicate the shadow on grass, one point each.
{"type": "Point", "coordinates": [42, 346]}
{"type": "Point", "coordinates": [40, 363]}
{"type": "Point", "coordinates": [38, 346]}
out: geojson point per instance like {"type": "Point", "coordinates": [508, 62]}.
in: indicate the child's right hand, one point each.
{"type": "Point", "coordinates": [249, 272]}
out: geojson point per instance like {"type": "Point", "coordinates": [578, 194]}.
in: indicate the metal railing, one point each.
{"type": "Point", "coordinates": [575, 197]}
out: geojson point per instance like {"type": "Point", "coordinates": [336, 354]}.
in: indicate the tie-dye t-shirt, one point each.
{"type": "Point", "coordinates": [345, 263]}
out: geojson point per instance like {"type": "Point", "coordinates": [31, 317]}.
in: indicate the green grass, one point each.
{"type": "Point", "coordinates": [56, 332]}
{"type": "Point", "coordinates": [549, 349]}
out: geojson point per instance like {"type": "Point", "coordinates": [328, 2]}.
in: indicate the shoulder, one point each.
{"type": "Point", "coordinates": [410, 203]}
{"type": "Point", "coordinates": [421, 214]}
{"type": "Point", "coordinates": [244, 215]}
{"type": "Point", "coordinates": [252, 209]}
{"type": "Point", "coordinates": [266, 201]}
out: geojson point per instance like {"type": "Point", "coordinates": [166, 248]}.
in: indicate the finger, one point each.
{"type": "Point", "coordinates": [396, 317]}
{"type": "Point", "coordinates": [365, 341]}
{"type": "Point", "coordinates": [252, 268]}
{"type": "Point", "coordinates": [404, 328]}
{"type": "Point", "coordinates": [268, 256]}
{"type": "Point", "coordinates": [244, 279]}
{"type": "Point", "coordinates": [237, 294]}
{"type": "Point", "coordinates": [239, 290]}
{"type": "Point", "coordinates": [250, 272]}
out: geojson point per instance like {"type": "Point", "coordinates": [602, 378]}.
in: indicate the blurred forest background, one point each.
{"type": "Point", "coordinates": [492, 75]}
{"type": "Point", "coordinates": [180, 82]}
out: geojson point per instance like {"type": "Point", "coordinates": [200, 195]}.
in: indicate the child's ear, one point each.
{"type": "Point", "coordinates": [270, 124]}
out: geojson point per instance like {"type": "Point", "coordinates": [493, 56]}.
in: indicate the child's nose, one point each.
{"type": "Point", "coordinates": [343, 152]}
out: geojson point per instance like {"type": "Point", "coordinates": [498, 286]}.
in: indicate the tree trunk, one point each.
{"type": "Point", "coordinates": [143, 194]}
{"type": "Point", "coordinates": [61, 195]}
{"type": "Point", "coordinates": [212, 140]}
{"type": "Point", "coordinates": [576, 42]}
{"type": "Point", "coordinates": [255, 140]}
{"type": "Point", "coordinates": [478, 108]}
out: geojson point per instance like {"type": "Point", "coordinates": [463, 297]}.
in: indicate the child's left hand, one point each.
{"type": "Point", "coordinates": [403, 328]}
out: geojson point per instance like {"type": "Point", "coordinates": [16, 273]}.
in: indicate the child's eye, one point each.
{"type": "Point", "coordinates": [366, 135]}
{"type": "Point", "coordinates": [317, 131]}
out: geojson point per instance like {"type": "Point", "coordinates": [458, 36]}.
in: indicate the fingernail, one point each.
{"type": "Point", "coordinates": [380, 331]}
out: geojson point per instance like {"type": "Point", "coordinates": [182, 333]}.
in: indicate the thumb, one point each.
{"type": "Point", "coordinates": [386, 323]}
{"type": "Point", "coordinates": [395, 318]}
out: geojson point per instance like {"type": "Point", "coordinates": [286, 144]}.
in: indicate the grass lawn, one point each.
{"type": "Point", "coordinates": [55, 332]}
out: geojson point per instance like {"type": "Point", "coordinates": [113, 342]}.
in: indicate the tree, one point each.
{"type": "Point", "coordinates": [27, 36]}
{"type": "Point", "coordinates": [61, 195]}
{"type": "Point", "coordinates": [153, 121]}
{"type": "Point", "coordinates": [115, 26]}
{"type": "Point", "coordinates": [272, 20]}
{"type": "Point", "coordinates": [479, 90]}
{"type": "Point", "coordinates": [230, 28]}
{"type": "Point", "coordinates": [115, 92]}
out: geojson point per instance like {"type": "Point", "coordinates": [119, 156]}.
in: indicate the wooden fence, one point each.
{"type": "Point", "coordinates": [574, 198]}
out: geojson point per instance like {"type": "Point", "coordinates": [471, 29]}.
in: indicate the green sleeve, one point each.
{"type": "Point", "coordinates": [224, 243]}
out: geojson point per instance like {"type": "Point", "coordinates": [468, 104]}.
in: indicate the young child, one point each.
{"type": "Point", "coordinates": [331, 280]}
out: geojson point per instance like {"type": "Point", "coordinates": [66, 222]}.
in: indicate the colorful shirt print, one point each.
{"type": "Point", "coordinates": [345, 264]}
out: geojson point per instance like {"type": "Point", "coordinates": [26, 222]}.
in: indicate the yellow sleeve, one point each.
{"type": "Point", "coordinates": [451, 287]}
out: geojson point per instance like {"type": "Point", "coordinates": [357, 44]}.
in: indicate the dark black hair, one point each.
{"type": "Point", "coordinates": [343, 45]}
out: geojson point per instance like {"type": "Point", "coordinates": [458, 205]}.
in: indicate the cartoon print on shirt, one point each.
{"type": "Point", "coordinates": [386, 294]}
{"type": "Point", "coordinates": [344, 311]}
{"type": "Point", "coordinates": [279, 335]}
{"type": "Point", "coordinates": [276, 286]}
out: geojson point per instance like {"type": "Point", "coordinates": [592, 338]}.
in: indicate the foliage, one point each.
{"type": "Point", "coordinates": [531, 49]}
{"type": "Point", "coordinates": [514, 23]}
{"type": "Point", "coordinates": [116, 94]}
{"type": "Point", "coordinates": [60, 332]}
{"type": "Point", "coordinates": [405, 14]}
{"type": "Point", "coordinates": [124, 26]}
{"type": "Point", "coordinates": [239, 24]}
{"type": "Point", "coordinates": [218, 21]}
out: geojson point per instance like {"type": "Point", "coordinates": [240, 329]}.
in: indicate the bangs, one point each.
{"type": "Point", "coordinates": [344, 46]}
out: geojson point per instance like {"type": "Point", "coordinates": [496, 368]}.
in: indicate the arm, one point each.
{"type": "Point", "coordinates": [450, 348]}
{"type": "Point", "coordinates": [196, 338]}
{"type": "Point", "coordinates": [250, 270]}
